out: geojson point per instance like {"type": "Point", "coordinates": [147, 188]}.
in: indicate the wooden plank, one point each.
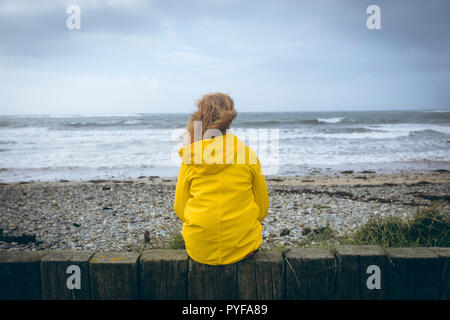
{"type": "Point", "coordinates": [54, 275]}
{"type": "Point", "coordinates": [414, 274]}
{"type": "Point", "coordinates": [164, 275]}
{"type": "Point", "coordinates": [114, 276]}
{"type": "Point", "coordinates": [81, 258]}
{"type": "Point", "coordinates": [358, 265]}
{"type": "Point", "coordinates": [20, 275]}
{"type": "Point", "coordinates": [444, 265]}
{"type": "Point", "coordinates": [208, 282]}
{"type": "Point", "coordinates": [310, 274]}
{"type": "Point", "coordinates": [260, 277]}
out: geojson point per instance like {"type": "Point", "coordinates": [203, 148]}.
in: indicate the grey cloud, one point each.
{"type": "Point", "coordinates": [245, 46]}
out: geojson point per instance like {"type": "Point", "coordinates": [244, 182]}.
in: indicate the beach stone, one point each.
{"type": "Point", "coordinates": [346, 207]}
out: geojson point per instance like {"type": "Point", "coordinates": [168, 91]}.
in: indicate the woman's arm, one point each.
{"type": "Point", "coordinates": [182, 192]}
{"type": "Point", "coordinates": [260, 191]}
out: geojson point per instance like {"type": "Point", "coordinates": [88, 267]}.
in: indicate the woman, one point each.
{"type": "Point", "coordinates": [221, 194]}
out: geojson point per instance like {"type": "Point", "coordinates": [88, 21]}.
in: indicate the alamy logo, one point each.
{"type": "Point", "coordinates": [74, 20]}
{"type": "Point", "coordinates": [74, 280]}
{"type": "Point", "coordinates": [228, 149]}
{"type": "Point", "coordinates": [374, 20]}
{"type": "Point", "coordinates": [374, 281]}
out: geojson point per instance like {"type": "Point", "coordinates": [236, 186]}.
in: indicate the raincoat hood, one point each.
{"type": "Point", "coordinates": [211, 156]}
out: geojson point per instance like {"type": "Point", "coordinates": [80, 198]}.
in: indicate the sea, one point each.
{"type": "Point", "coordinates": [140, 145]}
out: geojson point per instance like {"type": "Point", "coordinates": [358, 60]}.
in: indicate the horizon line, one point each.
{"type": "Point", "coordinates": [265, 111]}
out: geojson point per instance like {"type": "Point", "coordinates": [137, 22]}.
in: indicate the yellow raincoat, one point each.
{"type": "Point", "coordinates": [221, 197]}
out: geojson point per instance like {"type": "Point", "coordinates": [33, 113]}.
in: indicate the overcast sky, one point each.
{"type": "Point", "coordinates": [161, 56]}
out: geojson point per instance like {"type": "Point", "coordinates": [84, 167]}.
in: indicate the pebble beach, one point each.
{"type": "Point", "coordinates": [128, 215]}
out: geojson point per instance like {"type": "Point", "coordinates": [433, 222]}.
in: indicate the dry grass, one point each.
{"type": "Point", "coordinates": [429, 227]}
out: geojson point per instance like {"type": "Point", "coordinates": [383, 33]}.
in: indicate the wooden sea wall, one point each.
{"type": "Point", "coordinates": [351, 272]}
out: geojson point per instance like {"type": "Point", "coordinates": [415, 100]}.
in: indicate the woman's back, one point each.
{"type": "Point", "coordinates": [221, 197]}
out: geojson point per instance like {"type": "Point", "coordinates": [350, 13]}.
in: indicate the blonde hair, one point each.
{"type": "Point", "coordinates": [215, 111]}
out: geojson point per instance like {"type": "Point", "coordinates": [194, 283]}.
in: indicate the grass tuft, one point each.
{"type": "Point", "coordinates": [322, 237]}
{"type": "Point", "coordinates": [175, 241]}
{"type": "Point", "coordinates": [429, 227]}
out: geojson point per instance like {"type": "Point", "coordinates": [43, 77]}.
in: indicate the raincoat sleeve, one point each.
{"type": "Point", "coordinates": [182, 194]}
{"type": "Point", "coordinates": [260, 191]}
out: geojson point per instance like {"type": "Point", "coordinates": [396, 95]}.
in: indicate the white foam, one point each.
{"type": "Point", "coordinates": [410, 127]}
{"type": "Point", "coordinates": [40, 148]}
{"type": "Point", "coordinates": [94, 115]}
{"type": "Point", "coordinates": [331, 120]}
{"type": "Point", "coordinates": [436, 111]}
